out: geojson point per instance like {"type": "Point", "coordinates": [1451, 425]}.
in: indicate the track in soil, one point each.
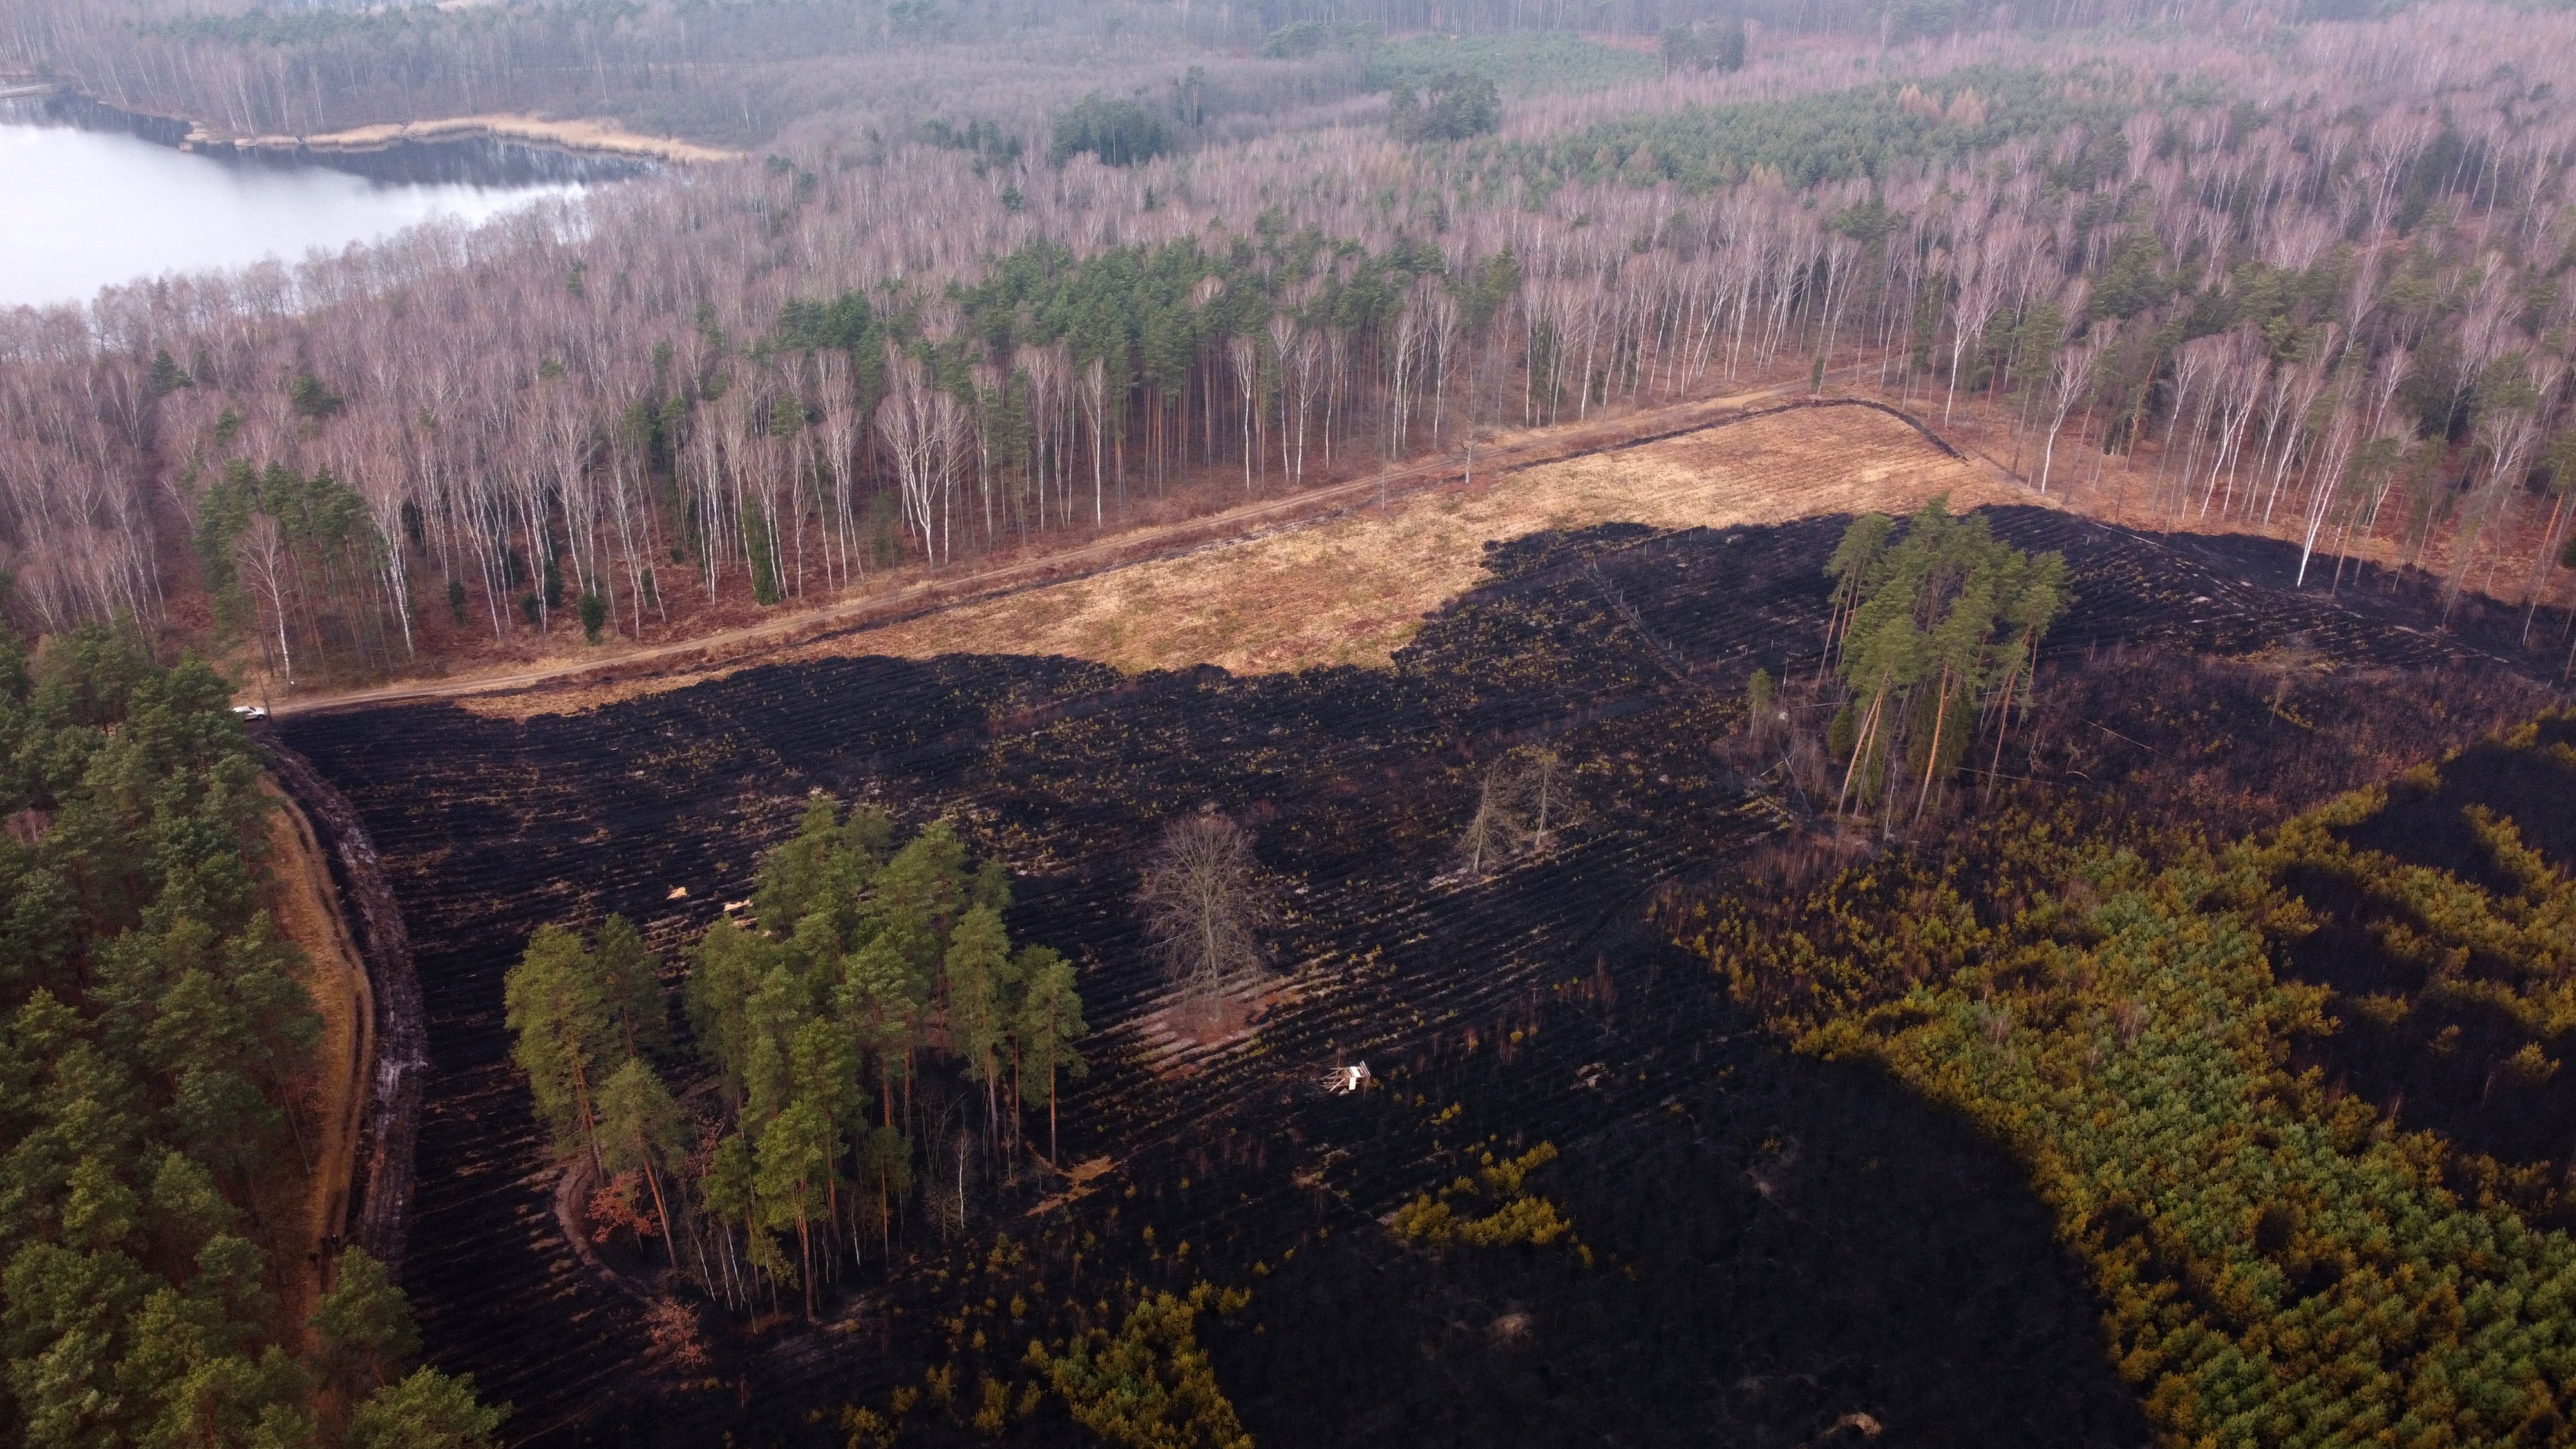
{"type": "Point", "coordinates": [1846, 1250]}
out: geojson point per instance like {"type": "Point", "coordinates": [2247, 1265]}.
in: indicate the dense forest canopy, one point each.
{"type": "Point", "coordinates": [1520, 62]}
{"type": "Point", "coordinates": [1870, 133]}
{"type": "Point", "coordinates": [156, 1045]}
{"type": "Point", "coordinates": [1452, 106]}
{"type": "Point", "coordinates": [735, 69]}
{"type": "Point", "coordinates": [2317, 282]}
{"type": "Point", "coordinates": [1120, 133]}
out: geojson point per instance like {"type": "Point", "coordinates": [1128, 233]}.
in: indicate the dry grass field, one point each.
{"type": "Point", "coordinates": [1352, 589]}
{"type": "Point", "coordinates": [1325, 575]}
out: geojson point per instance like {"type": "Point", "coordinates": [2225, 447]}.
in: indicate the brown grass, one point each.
{"type": "Point", "coordinates": [1197, 574]}
{"type": "Point", "coordinates": [1352, 589]}
{"type": "Point", "coordinates": [301, 899]}
{"type": "Point", "coordinates": [705, 638]}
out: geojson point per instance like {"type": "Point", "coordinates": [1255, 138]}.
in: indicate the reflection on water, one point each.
{"type": "Point", "coordinates": [85, 208]}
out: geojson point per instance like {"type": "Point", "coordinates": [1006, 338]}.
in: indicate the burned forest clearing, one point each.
{"type": "Point", "coordinates": [1390, 724]}
{"type": "Point", "coordinates": [1534, 998]}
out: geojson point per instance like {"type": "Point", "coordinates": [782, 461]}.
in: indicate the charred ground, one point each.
{"type": "Point", "coordinates": [1810, 1242]}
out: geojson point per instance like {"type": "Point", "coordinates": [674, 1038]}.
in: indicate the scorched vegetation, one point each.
{"type": "Point", "coordinates": [2205, 1098]}
{"type": "Point", "coordinates": [1501, 1014]}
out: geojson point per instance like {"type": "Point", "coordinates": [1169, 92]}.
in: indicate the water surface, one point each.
{"type": "Point", "coordinates": [83, 208]}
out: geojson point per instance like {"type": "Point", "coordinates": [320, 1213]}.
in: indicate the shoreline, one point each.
{"type": "Point", "coordinates": [590, 137]}
{"type": "Point", "coordinates": [586, 137]}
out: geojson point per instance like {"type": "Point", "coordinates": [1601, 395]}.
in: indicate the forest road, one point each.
{"type": "Point", "coordinates": [305, 902]}
{"type": "Point", "coordinates": [741, 647]}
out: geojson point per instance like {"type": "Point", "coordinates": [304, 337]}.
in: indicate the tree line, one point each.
{"type": "Point", "coordinates": [741, 73]}
{"type": "Point", "coordinates": [730, 74]}
{"type": "Point", "coordinates": [2338, 314]}
{"type": "Point", "coordinates": [156, 1102]}
{"type": "Point", "coordinates": [859, 965]}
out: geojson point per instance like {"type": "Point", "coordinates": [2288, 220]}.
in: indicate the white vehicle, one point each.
{"type": "Point", "coordinates": [250, 711]}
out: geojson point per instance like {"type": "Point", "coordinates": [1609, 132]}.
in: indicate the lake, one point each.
{"type": "Point", "coordinates": [85, 207]}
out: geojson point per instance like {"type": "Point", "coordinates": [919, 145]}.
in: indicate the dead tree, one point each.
{"type": "Point", "coordinates": [1496, 826]}
{"type": "Point", "coordinates": [1552, 806]}
{"type": "Point", "coordinates": [1203, 905]}
{"type": "Point", "coordinates": [1521, 806]}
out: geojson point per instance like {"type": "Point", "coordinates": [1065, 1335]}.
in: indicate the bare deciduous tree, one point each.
{"type": "Point", "coordinates": [1521, 805]}
{"type": "Point", "coordinates": [1203, 904]}
{"type": "Point", "coordinates": [1496, 825]}
{"type": "Point", "coordinates": [260, 554]}
{"type": "Point", "coordinates": [598, 382]}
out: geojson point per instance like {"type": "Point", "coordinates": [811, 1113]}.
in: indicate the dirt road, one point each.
{"type": "Point", "coordinates": [732, 647]}
{"type": "Point", "coordinates": [305, 904]}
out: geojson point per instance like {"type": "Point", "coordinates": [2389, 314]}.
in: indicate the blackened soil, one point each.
{"type": "Point", "coordinates": [1925, 1291]}
{"type": "Point", "coordinates": [2442, 1062]}
{"type": "Point", "coordinates": [1780, 1247]}
{"type": "Point", "coordinates": [2534, 785]}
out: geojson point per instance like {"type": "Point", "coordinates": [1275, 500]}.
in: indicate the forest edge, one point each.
{"type": "Point", "coordinates": [381, 1167]}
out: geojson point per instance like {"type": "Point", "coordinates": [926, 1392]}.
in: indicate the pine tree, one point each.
{"type": "Point", "coordinates": [562, 1032]}
{"type": "Point", "coordinates": [886, 1157]}
{"type": "Point", "coordinates": [362, 1329]}
{"type": "Point", "coordinates": [630, 987]}
{"type": "Point", "coordinates": [880, 1008]}
{"type": "Point", "coordinates": [641, 1130]}
{"type": "Point", "coordinates": [794, 1178]}
{"type": "Point", "coordinates": [726, 1189]}
{"type": "Point", "coordinates": [978, 969]}
{"type": "Point", "coordinates": [774, 1015]}
{"type": "Point", "coordinates": [1050, 1022]}
{"type": "Point", "coordinates": [725, 968]}
{"type": "Point", "coordinates": [428, 1410]}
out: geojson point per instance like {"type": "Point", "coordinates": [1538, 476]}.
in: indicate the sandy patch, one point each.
{"type": "Point", "coordinates": [301, 898]}
{"type": "Point", "coordinates": [574, 135]}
